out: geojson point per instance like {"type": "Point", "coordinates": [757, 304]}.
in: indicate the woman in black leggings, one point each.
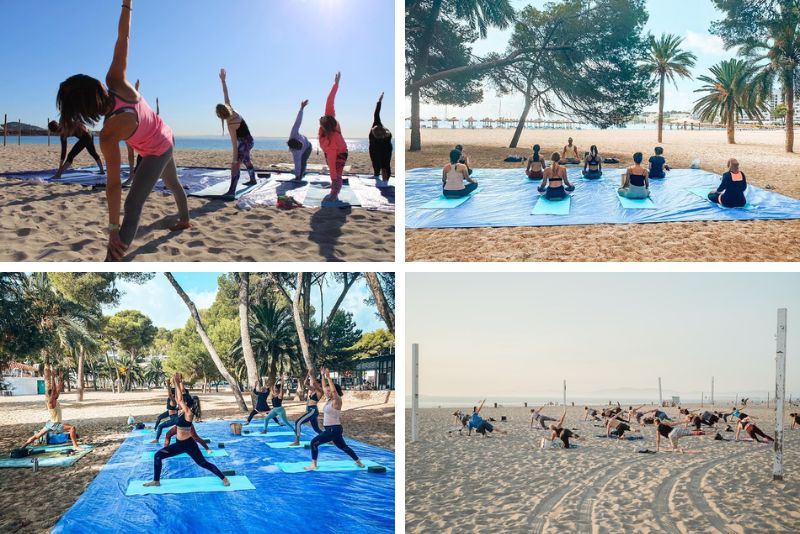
{"type": "Point", "coordinates": [312, 412]}
{"type": "Point", "coordinates": [752, 430]}
{"type": "Point", "coordinates": [332, 422]}
{"type": "Point", "coordinates": [185, 441]}
{"type": "Point", "coordinates": [85, 140]}
{"type": "Point", "coordinates": [380, 146]}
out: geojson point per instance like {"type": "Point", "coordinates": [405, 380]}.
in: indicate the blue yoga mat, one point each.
{"type": "Point", "coordinates": [636, 203]}
{"type": "Point", "coordinates": [287, 444]}
{"type": "Point", "coordinates": [444, 203]}
{"type": "Point", "coordinates": [552, 207]}
{"type": "Point", "coordinates": [51, 457]}
{"type": "Point", "coordinates": [215, 453]}
{"type": "Point", "coordinates": [325, 466]}
{"type": "Point", "coordinates": [505, 201]}
{"type": "Point", "coordinates": [316, 193]}
{"type": "Point", "coordinates": [188, 485]}
{"type": "Point", "coordinates": [703, 192]}
{"type": "Point", "coordinates": [364, 504]}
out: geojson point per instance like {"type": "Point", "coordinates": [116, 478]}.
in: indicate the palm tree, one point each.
{"type": "Point", "coordinates": [154, 372]}
{"type": "Point", "coordinates": [666, 61]}
{"type": "Point", "coordinates": [273, 338]}
{"type": "Point", "coordinates": [731, 94]}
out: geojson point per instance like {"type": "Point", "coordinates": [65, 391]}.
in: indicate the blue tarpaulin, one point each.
{"type": "Point", "coordinates": [507, 198]}
{"type": "Point", "coordinates": [321, 502]}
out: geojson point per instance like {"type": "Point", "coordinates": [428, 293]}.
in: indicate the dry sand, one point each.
{"type": "Point", "coordinates": [44, 222]}
{"type": "Point", "coordinates": [34, 502]}
{"type": "Point", "coordinates": [760, 153]}
{"type": "Point", "coordinates": [506, 483]}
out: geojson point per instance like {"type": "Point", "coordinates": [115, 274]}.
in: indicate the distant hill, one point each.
{"type": "Point", "coordinates": [27, 129]}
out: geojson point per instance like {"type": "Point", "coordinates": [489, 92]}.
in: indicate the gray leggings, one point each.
{"type": "Point", "coordinates": [149, 171]}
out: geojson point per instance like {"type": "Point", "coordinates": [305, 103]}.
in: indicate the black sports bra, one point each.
{"type": "Point", "coordinates": [276, 401]}
{"type": "Point", "coordinates": [182, 422]}
{"type": "Point", "coordinates": [313, 397]}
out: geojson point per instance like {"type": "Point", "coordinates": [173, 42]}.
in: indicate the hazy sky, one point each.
{"type": "Point", "coordinates": [277, 53]}
{"type": "Point", "coordinates": [521, 334]}
{"type": "Point", "coordinates": [157, 299]}
{"type": "Point", "coordinates": [690, 19]}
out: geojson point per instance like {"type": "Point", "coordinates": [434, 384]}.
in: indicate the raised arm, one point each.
{"type": "Point", "coordinates": [330, 108]}
{"type": "Point", "coordinates": [481, 406]}
{"type": "Point", "coordinates": [298, 121]}
{"type": "Point", "coordinates": [119, 64]}
{"type": "Point", "coordinates": [222, 76]}
{"type": "Point", "coordinates": [376, 121]}
{"type": "Point", "coordinates": [187, 413]}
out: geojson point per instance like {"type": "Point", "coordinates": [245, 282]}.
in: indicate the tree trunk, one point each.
{"type": "Point", "coordinates": [661, 110]}
{"type": "Point", "coordinates": [513, 144]}
{"type": "Point", "coordinates": [386, 313]}
{"type": "Point", "coordinates": [416, 134]}
{"type": "Point", "coordinates": [788, 90]}
{"type": "Point", "coordinates": [201, 331]}
{"type": "Point", "coordinates": [244, 329]}
{"type": "Point", "coordinates": [731, 129]}
{"type": "Point", "coordinates": [326, 326]}
{"type": "Point", "coordinates": [298, 320]}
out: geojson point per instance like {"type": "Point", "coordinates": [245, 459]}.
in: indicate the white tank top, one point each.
{"type": "Point", "coordinates": [455, 180]}
{"type": "Point", "coordinates": [330, 415]}
{"type": "Point", "coordinates": [55, 413]}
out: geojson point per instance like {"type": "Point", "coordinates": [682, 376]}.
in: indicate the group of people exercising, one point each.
{"type": "Point", "coordinates": [183, 410]}
{"type": "Point", "coordinates": [617, 422]}
{"type": "Point", "coordinates": [555, 184]}
{"type": "Point", "coordinates": [82, 101]}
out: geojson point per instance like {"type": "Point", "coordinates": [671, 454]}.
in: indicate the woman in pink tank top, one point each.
{"type": "Point", "coordinates": [84, 100]}
{"type": "Point", "coordinates": [332, 142]}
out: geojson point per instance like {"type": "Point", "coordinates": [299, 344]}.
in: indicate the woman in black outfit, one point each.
{"type": "Point", "coordinates": [185, 441]}
{"type": "Point", "coordinates": [85, 140]}
{"type": "Point", "coordinates": [380, 145]}
{"type": "Point", "coordinates": [730, 192]}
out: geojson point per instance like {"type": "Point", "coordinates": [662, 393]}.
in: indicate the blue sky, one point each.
{"type": "Point", "coordinates": [279, 53]}
{"type": "Point", "coordinates": [521, 334]}
{"type": "Point", "coordinates": [690, 19]}
{"type": "Point", "coordinates": [157, 299]}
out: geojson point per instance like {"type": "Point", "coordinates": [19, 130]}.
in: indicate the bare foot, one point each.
{"type": "Point", "coordinates": [295, 443]}
{"type": "Point", "coordinates": [226, 482]}
{"type": "Point", "coordinates": [152, 483]}
{"type": "Point", "coordinates": [312, 467]}
{"type": "Point", "coordinates": [180, 225]}
{"type": "Point", "coordinates": [154, 441]}
{"type": "Point", "coordinates": [359, 464]}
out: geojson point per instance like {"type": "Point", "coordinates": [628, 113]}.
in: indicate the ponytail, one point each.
{"type": "Point", "coordinates": [555, 157]}
{"type": "Point", "coordinates": [536, 149]}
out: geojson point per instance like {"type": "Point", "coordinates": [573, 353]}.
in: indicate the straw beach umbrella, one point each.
{"type": "Point", "coordinates": [471, 123]}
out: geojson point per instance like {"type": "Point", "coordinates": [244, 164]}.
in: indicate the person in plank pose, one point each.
{"type": "Point", "coordinates": [85, 141]}
{"type": "Point", "coordinates": [299, 145]}
{"type": "Point", "coordinates": [185, 438]}
{"type": "Point", "coordinates": [54, 424]}
{"type": "Point", "coordinates": [332, 142]}
{"type": "Point", "coordinates": [380, 146]}
{"type": "Point", "coordinates": [83, 100]}
{"type": "Point", "coordinates": [332, 415]}
{"type": "Point", "coordinates": [312, 412]}
{"type": "Point", "coordinates": [241, 139]}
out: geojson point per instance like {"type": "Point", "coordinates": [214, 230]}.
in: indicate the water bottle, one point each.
{"type": "Point", "coordinates": [35, 463]}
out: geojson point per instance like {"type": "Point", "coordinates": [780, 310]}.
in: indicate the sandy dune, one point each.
{"type": "Point", "coordinates": [101, 420]}
{"type": "Point", "coordinates": [760, 153]}
{"type": "Point", "coordinates": [506, 483]}
{"type": "Point", "coordinates": [43, 222]}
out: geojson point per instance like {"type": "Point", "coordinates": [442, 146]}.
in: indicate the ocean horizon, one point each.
{"type": "Point", "coordinates": [206, 142]}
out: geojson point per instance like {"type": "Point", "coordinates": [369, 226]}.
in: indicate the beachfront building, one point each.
{"type": "Point", "coordinates": [21, 379]}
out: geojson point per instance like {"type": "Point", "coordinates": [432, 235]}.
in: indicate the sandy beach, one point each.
{"type": "Point", "coordinates": [506, 483]}
{"type": "Point", "coordinates": [760, 152]}
{"type": "Point", "coordinates": [33, 502]}
{"type": "Point", "coordinates": [44, 222]}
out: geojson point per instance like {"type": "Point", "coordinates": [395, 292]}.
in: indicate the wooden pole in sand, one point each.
{"type": "Point", "coordinates": [414, 389]}
{"type": "Point", "coordinates": [780, 394]}
{"type": "Point", "coordinates": [48, 131]}
{"type": "Point", "coordinates": [712, 391]}
{"type": "Point", "coordinates": [660, 398]}
{"type": "Point", "coordinates": [5, 128]}
{"type": "Point", "coordinates": [19, 131]}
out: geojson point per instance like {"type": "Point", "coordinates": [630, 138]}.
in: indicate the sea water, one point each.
{"type": "Point", "coordinates": [211, 142]}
